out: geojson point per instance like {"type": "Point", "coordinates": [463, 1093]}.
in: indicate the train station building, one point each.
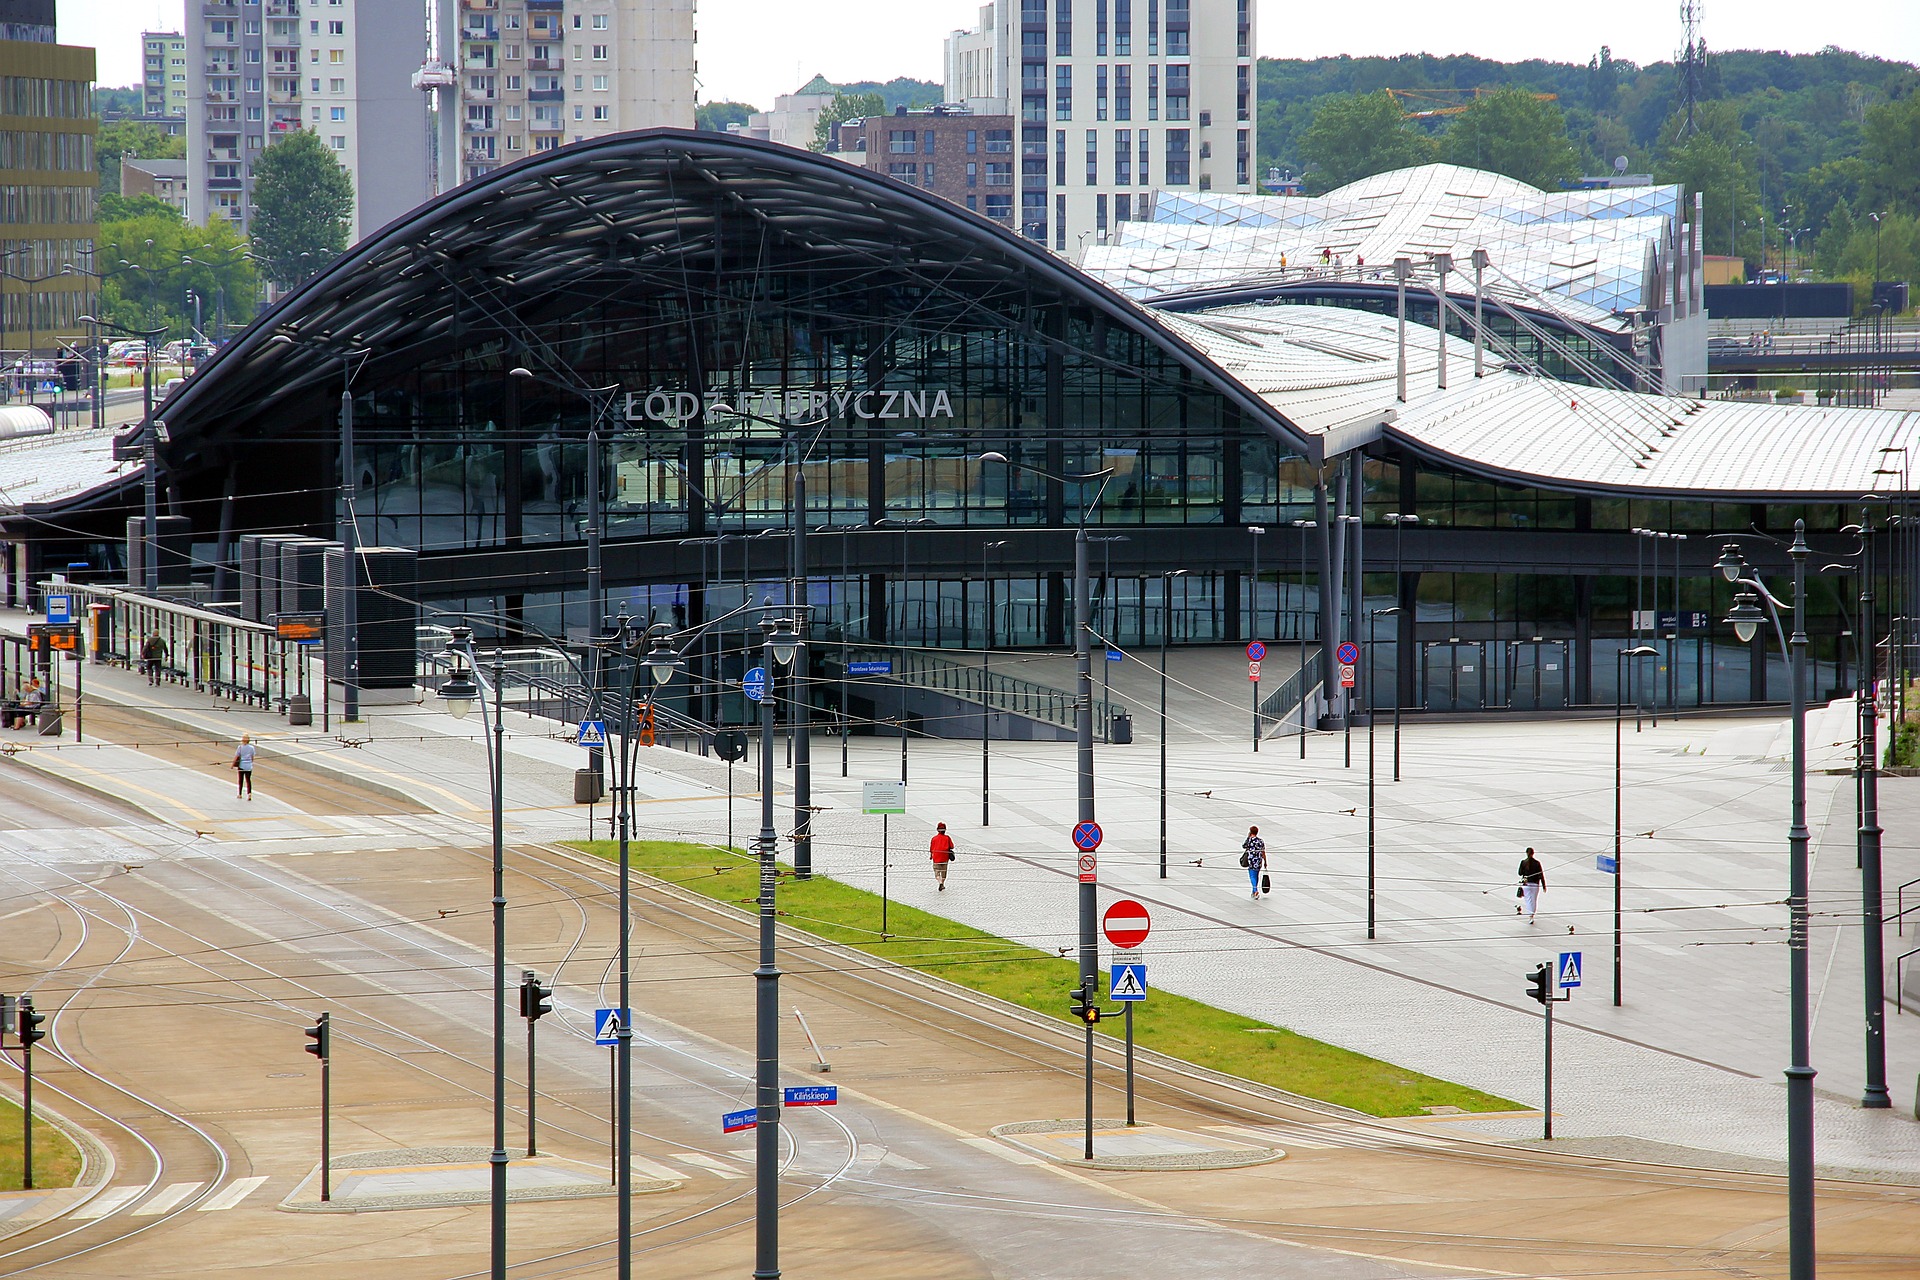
{"type": "Point", "coordinates": [738, 322]}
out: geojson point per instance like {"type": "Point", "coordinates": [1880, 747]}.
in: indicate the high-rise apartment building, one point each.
{"type": "Point", "coordinates": [48, 181]}
{"type": "Point", "coordinates": [257, 69]}
{"type": "Point", "coordinates": [538, 74]}
{"type": "Point", "coordinates": [163, 74]}
{"type": "Point", "coordinates": [1114, 99]}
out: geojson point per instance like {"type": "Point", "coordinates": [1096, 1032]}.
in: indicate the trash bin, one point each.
{"type": "Point", "coordinates": [587, 786]}
{"type": "Point", "coordinates": [299, 711]}
{"type": "Point", "coordinates": [1122, 729]}
{"type": "Point", "coordinates": [50, 722]}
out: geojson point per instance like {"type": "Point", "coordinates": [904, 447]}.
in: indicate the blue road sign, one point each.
{"type": "Point", "coordinates": [1128, 982]}
{"type": "Point", "coordinates": [812, 1095]}
{"type": "Point", "coordinates": [607, 1024]}
{"type": "Point", "coordinates": [593, 733]}
{"type": "Point", "coordinates": [1114, 655]}
{"type": "Point", "coordinates": [870, 668]}
{"type": "Point", "coordinates": [1086, 836]}
{"type": "Point", "coordinates": [60, 608]}
{"type": "Point", "coordinates": [1348, 653]}
{"type": "Point", "coordinates": [1256, 651]}
{"type": "Point", "coordinates": [735, 1121]}
{"type": "Point", "coordinates": [1605, 862]}
{"type": "Point", "coordinates": [1569, 970]}
{"type": "Point", "coordinates": [754, 684]}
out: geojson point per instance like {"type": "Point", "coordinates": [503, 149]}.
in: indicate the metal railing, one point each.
{"type": "Point", "coordinates": [993, 689]}
{"type": "Point", "coordinates": [1900, 908]}
{"type": "Point", "coordinates": [1899, 979]}
{"type": "Point", "coordinates": [1292, 696]}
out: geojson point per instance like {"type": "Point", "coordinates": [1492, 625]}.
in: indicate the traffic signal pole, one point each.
{"type": "Point", "coordinates": [321, 1033]}
{"type": "Point", "coordinates": [30, 1032]}
{"type": "Point", "coordinates": [1089, 886]}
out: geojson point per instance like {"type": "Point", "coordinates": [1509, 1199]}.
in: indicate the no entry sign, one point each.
{"type": "Point", "coordinates": [1126, 923]}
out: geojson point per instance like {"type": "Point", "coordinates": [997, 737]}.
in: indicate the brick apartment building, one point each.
{"type": "Point", "coordinates": [966, 158]}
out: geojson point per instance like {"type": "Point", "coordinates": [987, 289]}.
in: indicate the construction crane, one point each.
{"type": "Point", "coordinates": [1446, 102]}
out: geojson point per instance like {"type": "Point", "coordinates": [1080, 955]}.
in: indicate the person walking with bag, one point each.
{"type": "Point", "coordinates": [243, 767]}
{"type": "Point", "coordinates": [153, 656]}
{"type": "Point", "coordinates": [1533, 882]}
{"type": "Point", "coordinates": [940, 852]}
{"type": "Point", "coordinates": [1253, 856]}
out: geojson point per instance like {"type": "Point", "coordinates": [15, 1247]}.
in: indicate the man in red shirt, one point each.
{"type": "Point", "coordinates": [941, 852]}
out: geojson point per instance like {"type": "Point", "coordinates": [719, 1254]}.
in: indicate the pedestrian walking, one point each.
{"type": "Point", "coordinates": [1253, 856]}
{"type": "Point", "coordinates": [153, 656]}
{"type": "Point", "coordinates": [243, 767]}
{"type": "Point", "coordinates": [1533, 882]}
{"type": "Point", "coordinates": [940, 852]}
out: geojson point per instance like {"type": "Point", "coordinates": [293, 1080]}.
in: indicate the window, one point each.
{"type": "Point", "coordinates": [1123, 157]}
{"type": "Point", "coordinates": [599, 53]}
{"type": "Point", "coordinates": [316, 84]}
{"type": "Point", "coordinates": [926, 174]}
{"type": "Point", "coordinates": [1000, 173]}
{"type": "Point", "coordinates": [902, 142]}
{"type": "Point", "coordinates": [579, 113]}
{"type": "Point", "coordinates": [1100, 93]}
{"type": "Point", "coordinates": [600, 112]}
{"type": "Point", "coordinates": [1100, 28]}
{"type": "Point", "coordinates": [316, 113]}
{"type": "Point", "coordinates": [1000, 142]}
{"type": "Point", "coordinates": [1059, 222]}
{"type": "Point", "coordinates": [313, 55]}
{"type": "Point", "coordinates": [1122, 208]}
{"type": "Point", "coordinates": [579, 83]}
{"type": "Point", "coordinates": [1177, 90]}
{"type": "Point", "coordinates": [512, 22]}
{"type": "Point", "coordinates": [926, 142]}
{"type": "Point", "coordinates": [1100, 216]}
{"type": "Point", "coordinates": [514, 143]}
{"type": "Point", "coordinates": [600, 84]}
{"type": "Point", "coordinates": [510, 53]}
{"type": "Point", "coordinates": [973, 174]}
{"type": "Point", "coordinates": [1153, 93]}
{"type": "Point", "coordinates": [1063, 93]}
{"type": "Point", "coordinates": [513, 111]}
{"type": "Point", "coordinates": [336, 28]}
{"type": "Point", "coordinates": [1242, 158]}
{"type": "Point", "coordinates": [1143, 177]}
{"type": "Point", "coordinates": [599, 22]}
{"type": "Point", "coordinates": [338, 141]}
{"type": "Point", "coordinates": [1123, 93]}
{"type": "Point", "coordinates": [907, 173]}
{"type": "Point", "coordinates": [1122, 32]}
{"type": "Point", "coordinates": [513, 84]}
{"type": "Point", "coordinates": [1177, 45]}
{"type": "Point", "coordinates": [1093, 158]}
{"type": "Point", "coordinates": [576, 22]}
{"type": "Point", "coordinates": [337, 113]}
{"type": "Point", "coordinates": [1179, 157]}
{"type": "Point", "coordinates": [336, 56]}
{"type": "Point", "coordinates": [973, 204]}
{"type": "Point", "coordinates": [973, 141]}
{"type": "Point", "coordinates": [1000, 208]}
{"type": "Point", "coordinates": [1062, 36]}
{"type": "Point", "coordinates": [336, 85]}
{"type": "Point", "coordinates": [1060, 158]}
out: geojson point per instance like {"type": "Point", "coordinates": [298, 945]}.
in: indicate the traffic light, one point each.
{"type": "Point", "coordinates": [6, 1014]}
{"type": "Point", "coordinates": [321, 1033]}
{"type": "Point", "coordinates": [1537, 983]}
{"type": "Point", "coordinates": [1083, 1006]}
{"type": "Point", "coordinates": [536, 1001]}
{"type": "Point", "coordinates": [30, 1020]}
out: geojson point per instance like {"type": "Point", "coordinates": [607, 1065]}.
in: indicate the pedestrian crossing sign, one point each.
{"type": "Point", "coordinates": [607, 1024]}
{"type": "Point", "coordinates": [1129, 982]}
{"type": "Point", "coordinates": [1569, 969]}
{"type": "Point", "coordinates": [593, 733]}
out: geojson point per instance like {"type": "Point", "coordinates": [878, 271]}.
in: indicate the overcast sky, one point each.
{"type": "Point", "coordinates": [751, 50]}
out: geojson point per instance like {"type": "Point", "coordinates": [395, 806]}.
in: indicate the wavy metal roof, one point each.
{"type": "Point", "coordinates": [1594, 252]}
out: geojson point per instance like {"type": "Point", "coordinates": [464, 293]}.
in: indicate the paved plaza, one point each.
{"type": "Point", "coordinates": [1690, 1063]}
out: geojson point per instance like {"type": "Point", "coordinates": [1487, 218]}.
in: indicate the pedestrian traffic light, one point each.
{"type": "Point", "coordinates": [6, 1014]}
{"type": "Point", "coordinates": [1537, 983]}
{"type": "Point", "coordinates": [1083, 1006]}
{"type": "Point", "coordinates": [30, 1020]}
{"type": "Point", "coordinates": [536, 1001]}
{"type": "Point", "coordinates": [321, 1033]}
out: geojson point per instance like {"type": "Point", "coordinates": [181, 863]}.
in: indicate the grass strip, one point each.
{"type": "Point", "coordinates": [1039, 981]}
{"type": "Point", "coordinates": [56, 1161]}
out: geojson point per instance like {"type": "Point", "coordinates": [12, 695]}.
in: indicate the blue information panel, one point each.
{"type": "Point", "coordinates": [735, 1121]}
{"type": "Point", "coordinates": [869, 668]}
{"type": "Point", "coordinates": [1605, 862]}
{"type": "Point", "coordinates": [754, 684]}
{"type": "Point", "coordinates": [60, 608]}
{"type": "Point", "coordinates": [1114, 655]}
{"type": "Point", "coordinates": [812, 1095]}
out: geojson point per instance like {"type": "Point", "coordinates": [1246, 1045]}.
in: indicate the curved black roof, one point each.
{"type": "Point", "coordinates": [563, 230]}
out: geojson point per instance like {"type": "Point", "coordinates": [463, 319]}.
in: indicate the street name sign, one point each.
{"type": "Point", "coordinates": [812, 1095]}
{"type": "Point", "coordinates": [1115, 655]}
{"type": "Point", "coordinates": [735, 1121]}
{"type": "Point", "coordinates": [869, 668]}
{"type": "Point", "coordinates": [1605, 862]}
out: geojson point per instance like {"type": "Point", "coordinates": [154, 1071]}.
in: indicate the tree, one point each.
{"type": "Point", "coordinates": [127, 208]}
{"type": "Point", "coordinates": [845, 106]}
{"type": "Point", "coordinates": [1511, 132]}
{"type": "Point", "coordinates": [1889, 145]}
{"type": "Point", "coordinates": [1705, 162]}
{"type": "Point", "coordinates": [153, 259]}
{"type": "Point", "coordinates": [1357, 135]}
{"type": "Point", "coordinates": [714, 117]}
{"type": "Point", "coordinates": [131, 138]}
{"type": "Point", "coordinates": [303, 202]}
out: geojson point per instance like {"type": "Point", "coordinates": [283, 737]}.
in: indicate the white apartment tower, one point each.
{"type": "Point", "coordinates": [258, 69]}
{"type": "Point", "coordinates": [534, 75]}
{"type": "Point", "coordinates": [1115, 99]}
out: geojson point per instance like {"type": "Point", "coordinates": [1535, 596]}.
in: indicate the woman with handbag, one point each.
{"type": "Point", "coordinates": [1533, 882]}
{"type": "Point", "coordinates": [1253, 856]}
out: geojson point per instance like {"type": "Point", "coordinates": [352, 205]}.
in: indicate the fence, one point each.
{"type": "Point", "coordinates": [991, 689]}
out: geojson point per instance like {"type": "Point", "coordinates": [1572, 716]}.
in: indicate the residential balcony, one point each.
{"type": "Point", "coordinates": [215, 95]}
{"type": "Point", "coordinates": [479, 127]}
{"type": "Point", "coordinates": [546, 126]}
{"type": "Point", "coordinates": [546, 64]}
{"type": "Point", "coordinates": [546, 95]}
{"type": "Point", "coordinates": [281, 98]}
{"type": "Point", "coordinates": [283, 8]}
{"type": "Point", "coordinates": [223, 184]}
{"type": "Point", "coordinates": [223, 153]}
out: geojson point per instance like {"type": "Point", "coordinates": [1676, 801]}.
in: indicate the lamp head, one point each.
{"type": "Point", "coordinates": [459, 690]}
{"type": "Point", "coordinates": [991, 457]}
{"type": "Point", "coordinates": [783, 639]}
{"type": "Point", "coordinates": [661, 661]}
{"type": "Point", "coordinates": [1730, 564]}
{"type": "Point", "coordinates": [520, 372]}
{"type": "Point", "coordinates": [1745, 616]}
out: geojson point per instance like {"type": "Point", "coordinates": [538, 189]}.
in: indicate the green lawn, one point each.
{"type": "Point", "coordinates": [1038, 981]}
{"type": "Point", "coordinates": [56, 1161]}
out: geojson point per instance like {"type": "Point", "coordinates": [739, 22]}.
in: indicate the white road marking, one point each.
{"type": "Point", "coordinates": [874, 1153]}
{"type": "Point", "coordinates": [711, 1165]}
{"type": "Point", "coordinates": [652, 1170]}
{"type": "Point", "coordinates": [1271, 1137]}
{"type": "Point", "coordinates": [1009, 1154]}
{"type": "Point", "coordinates": [167, 1199]}
{"type": "Point", "coordinates": [110, 1201]}
{"type": "Point", "coordinates": [235, 1192]}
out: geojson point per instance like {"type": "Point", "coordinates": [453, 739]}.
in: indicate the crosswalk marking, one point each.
{"type": "Point", "coordinates": [167, 1199]}
{"type": "Point", "coordinates": [658, 1171]}
{"type": "Point", "coordinates": [874, 1153]}
{"type": "Point", "coordinates": [709, 1164]}
{"type": "Point", "coordinates": [110, 1201]}
{"type": "Point", "coordinates": [1009, 1154]}
{"type": "Point", "coordinates": [235, 1192]}
{"type": "Point", "coordinates": [1272, 1137]}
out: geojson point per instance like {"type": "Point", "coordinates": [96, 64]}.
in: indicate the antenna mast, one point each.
{"type": "Point", "coordinates": [1693, 62]}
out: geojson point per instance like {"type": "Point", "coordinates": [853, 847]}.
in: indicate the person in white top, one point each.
{"type": "Point", "coordinates": [243, 766]}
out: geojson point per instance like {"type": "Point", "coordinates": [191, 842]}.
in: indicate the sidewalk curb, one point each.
{"type": "Point", "coordinates": [95, 1158]}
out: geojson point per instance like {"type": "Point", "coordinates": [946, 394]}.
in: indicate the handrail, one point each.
{"type": "Point", "coordinates": [999, 691]}
{"type": "Point", "coordinates": [1899, 895]}
{"type": "Point", "coordinates": [1900, 991]}
{"type": "Point", "coordinates": [1293, 692]}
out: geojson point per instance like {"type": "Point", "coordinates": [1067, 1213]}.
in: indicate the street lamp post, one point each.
{"type": "Point", "coordinates": [1254, 532]}
{"type": "Point", "coordinates": [1166, 627]}
{"type": "Point", "coordinates": [1747, 618]}
{"type": "Point", "coordinates": [1619, 683]}
{"type": "Point", "coordinates": [460, 691]}
{"type": "Point", "coordinates": [781, 643]}
{"type": "Point", "coordinates": [986, 658]}
{"type": "Point", "coordinates": [1373, 618]}
{"type": "Point", "coordinates": [1403, 653]}
{"type": "Point", "coordinates": [1107, 629]}
{"type": "Point", "coordinates": [1866, 765]}
{"type": "Point", "coordinates": [1304, 526]}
